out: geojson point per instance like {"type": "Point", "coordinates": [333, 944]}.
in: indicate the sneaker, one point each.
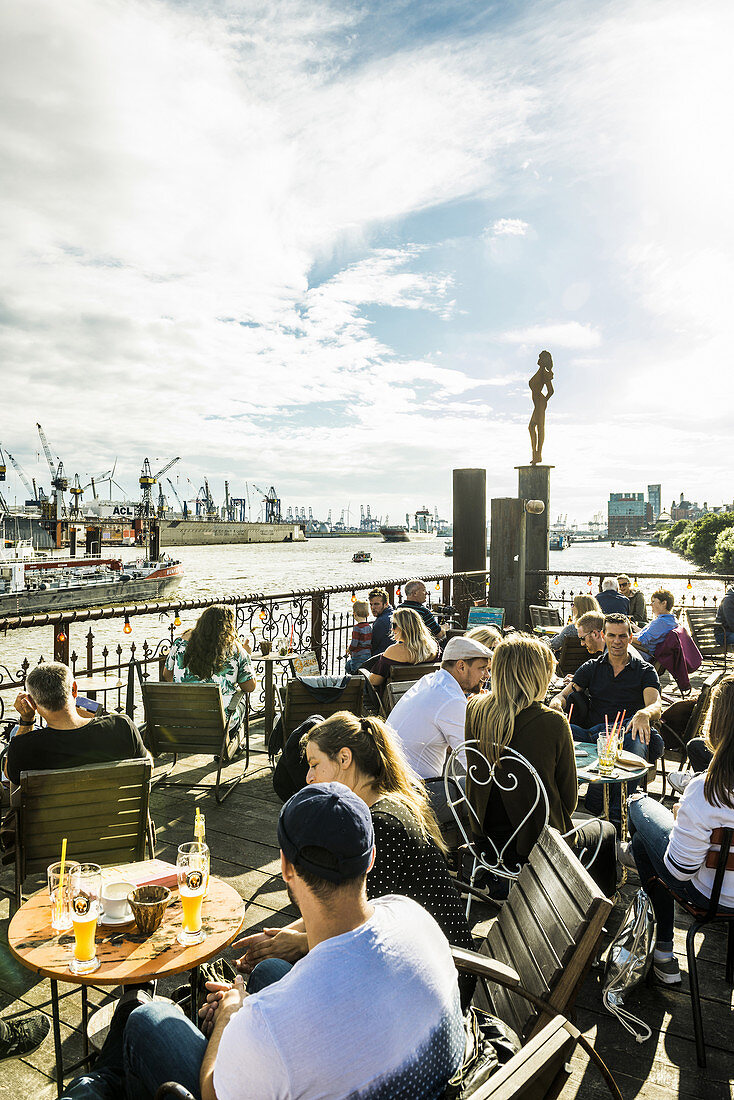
{"type": "Point", "coordinates": [679, 781]}
{"type": "Point", "coordinates": [20, 1037]}
{"type": "Point", "coordinates": [666, 971]}
{"type": "Point", "coordinates": [624, 854]}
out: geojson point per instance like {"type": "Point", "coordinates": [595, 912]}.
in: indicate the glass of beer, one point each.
{"type": "Point", "coordinates": [86, 886]}
{"type": "Point", "coordinates": [59, 891]}
{"type": "Point", "coordinates": [192, 865]}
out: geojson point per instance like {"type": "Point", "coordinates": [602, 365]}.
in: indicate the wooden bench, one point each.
{"type": "Point", "coordinates": [572, 656]}
{"type": "Point", "coordinates": [701, 621]}
{"type": "Point", "coordinates": [392, 690]}
{"type": "Point", "coordinates": [102, 810]}
{"type": "Point", "coordinates": [189, 719]}
{"type": "Point", "coordinates": [547, 931]}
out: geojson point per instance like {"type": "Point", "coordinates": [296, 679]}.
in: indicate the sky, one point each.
{"type": "Point", "coordinates": [319, 245]}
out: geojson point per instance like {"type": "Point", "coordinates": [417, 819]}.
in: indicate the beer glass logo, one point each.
{"type": "Point", "coordinates": [81, 905]}
{"type": "Point", "coordinates": [194, 880]}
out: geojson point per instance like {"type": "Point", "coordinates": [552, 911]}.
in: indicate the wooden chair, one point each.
{"type": "Point", "coordinates": [541, 615]}
{"type": "Point", "coordinates": [382, 702]}
{"type": "Point", "coordinates": [299, 704]}
{"type": "Point", "coordinates": [572, 656]}
{"type": "Point", "coordinates": [102, 810]}
{"type": "Point", "coordinates": [190, 718]}
{"type": "Point", "coordinates": [701, 622]}
{"type": "Point", "coordinates": [698, 715]}
{"type": "Point", "coordinates": [720, 859]}
{"type": "Point", "coordinates": [393, 693]}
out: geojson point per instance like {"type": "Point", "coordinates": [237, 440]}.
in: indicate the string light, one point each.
{"type": "Point", "coordinates": [438, 587]}
{"type": "Point", "coordinates": [354, 597]}
{"type": "Point", "coordinates": [263, 616]}
{"type": "Point", "coordinates": [556, 581]}
{"type": "Point", "coordinates": [61, 637]}
{"type": "Point", "coordinates": [636, 584]}
{"type": "Point", "coordinates": [589, 582]}
{"type": "Point", "coordinates": [689, 586]}
{"type": "Point", "coordinates": [127, 629]}
{"type": "Point", "coordinates": [177, 620]}
{"type": "Point", "coordinates": [398, 593]}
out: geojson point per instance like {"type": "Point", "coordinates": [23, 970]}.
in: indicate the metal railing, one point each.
{"type": "Point", "coordinates": [558, 588]}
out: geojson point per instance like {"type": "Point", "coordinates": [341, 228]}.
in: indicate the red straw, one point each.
{"type": "Point", "coordinates": [607, 722]}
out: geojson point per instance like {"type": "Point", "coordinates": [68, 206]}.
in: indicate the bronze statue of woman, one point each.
{"type": "Point", "coordinates": [541, 380]}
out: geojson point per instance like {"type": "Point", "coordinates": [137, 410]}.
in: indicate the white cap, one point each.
{"type": "Point", "coordinates": [464, 649]}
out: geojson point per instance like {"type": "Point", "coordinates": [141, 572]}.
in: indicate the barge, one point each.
{"type": "Point", "coordinates": [45, 585]}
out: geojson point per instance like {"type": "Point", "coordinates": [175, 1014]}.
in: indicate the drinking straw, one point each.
{"type": "Point", "coordinates": [60, 892]}
{"type": "Point", "coordinates": [570, 712]}
{"type": "Point", "coordinates": [290, 640]}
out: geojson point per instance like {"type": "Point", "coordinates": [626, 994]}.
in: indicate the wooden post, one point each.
{"type": "Point", "coordinates": [72, 540]}
{"type": "Point", "coordinates": [470, 534]}
{"type": "Point", "coordinates": [533, 483]}
{"type": "Point", "coordinates": [94, 541]}
{"type": "Point", "coordinates": [155, 540]}
{"type": "Point", "coordinates": [507, 559]}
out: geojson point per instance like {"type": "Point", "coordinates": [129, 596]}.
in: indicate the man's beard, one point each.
{"type": "Point", "coordinates": [292, 898]}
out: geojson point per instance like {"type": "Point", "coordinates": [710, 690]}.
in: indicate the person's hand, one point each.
{"type": "Point", "coordinates": [221, 997]}
{"type": "Point", "coordinates": [675, 808]}
{"type": "Point", "coordinates": [247, 646]}
{"type": "Point", "coordinates": [271, 943]}
{"type": "Point", "coordinates": [558, 702]}
{"type": "Point", "coordinates": [639, 726]}
{"type": "Point", "coordinates": [25, 707]}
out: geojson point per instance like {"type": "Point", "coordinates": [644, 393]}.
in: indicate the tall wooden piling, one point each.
{"type": "Point", "coordinates": [470, 534]}
{"type": "Point", "coordinates": [534, 484]}
{"type": "Point", "coordinates": [507, 559]}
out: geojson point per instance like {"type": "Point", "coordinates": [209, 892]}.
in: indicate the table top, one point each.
{"type": "Point", "coordinates": [587, 759]}
{"type": "Point", "coordinates": [98, 682]}
{"type": "Point", "coordinates": [125, 956]}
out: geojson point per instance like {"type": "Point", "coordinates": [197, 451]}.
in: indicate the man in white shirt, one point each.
{"type": "Point", "coordinates": [372, 1009]}
{"type": "Point", "coordinates": [429, 719]}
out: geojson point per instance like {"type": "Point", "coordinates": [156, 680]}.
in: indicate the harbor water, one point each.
{"type": "Point", "coordinates": [212, 571]}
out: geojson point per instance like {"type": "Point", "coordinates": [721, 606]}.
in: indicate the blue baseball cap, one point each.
{"type": "Point", "coordinates": [331, 817]}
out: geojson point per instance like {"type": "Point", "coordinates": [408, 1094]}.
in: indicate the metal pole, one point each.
{"type": "Point", "coordinates": [470, 533]}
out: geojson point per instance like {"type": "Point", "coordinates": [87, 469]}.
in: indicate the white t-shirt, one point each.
{"type": "Point", "coordinates": [428, 719]}
{"type": "Point", "coordinates": [690, 840]}
{"type": "Point", "coordinates": [371, 1013]}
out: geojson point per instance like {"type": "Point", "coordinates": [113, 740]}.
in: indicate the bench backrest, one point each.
{"type": "Point", "coordinates": [541, 615]}
{"type": "Point", "coordinates": [701, 628]}
{"type": "Point", "coordinates": [547, 931]}
{"type": "Point", "coordinates": [102, 810]}
{"type": "Point", "coordinates": [183, 718]}
{"type": "Point", "coordinates": [697, 719]}
{"type": "Point", "coordinates": [394, 692]}
{"type": "Point", "coordinates": [572, 656]}
{"type": "Point", "coordinates": [300, 704]}
{"type": "Point", "coordinates": [400, 673]}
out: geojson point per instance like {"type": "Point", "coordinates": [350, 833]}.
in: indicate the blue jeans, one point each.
{"type": "Point", "coordinates": [720, 633]}
{"type": "Point", "coordinates": [595, 796]}
{"type": "Point", "coordinates": [152, 1043]}
{"type": "Point", "coordinates": [651, 825]}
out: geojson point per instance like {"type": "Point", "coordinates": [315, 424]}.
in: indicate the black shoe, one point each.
{"type": "Point", "coordinates": [20, 1037]}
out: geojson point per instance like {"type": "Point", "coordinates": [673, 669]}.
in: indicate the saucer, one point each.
{"type": "Point", "coordinates": [113, 922]}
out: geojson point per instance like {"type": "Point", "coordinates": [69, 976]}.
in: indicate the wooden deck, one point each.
{"type": "Point", "coordinates": [242, 837]}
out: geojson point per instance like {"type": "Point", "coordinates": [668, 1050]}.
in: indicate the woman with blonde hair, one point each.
{"type": "Point", "coordinates": [674, 847]}
{"type": "Point", "coordinates": [515, 716]}
{"type": "Point", "coordinates": [414, 645]}
{"type": "Point", "coordinates": [363, 753]}
{"type": "Point", "coordinates": [211, 653]}
{"type": "Point", "coordinates": [581, 604]}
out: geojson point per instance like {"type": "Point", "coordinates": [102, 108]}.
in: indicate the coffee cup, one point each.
{"type": "Point", "coordinates": [114, 899]}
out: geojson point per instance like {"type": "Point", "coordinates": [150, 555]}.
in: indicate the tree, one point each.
{"type": "Point", "coordinates": [724, 553]}
{"type": "Point", "coordinates": [701, 545]}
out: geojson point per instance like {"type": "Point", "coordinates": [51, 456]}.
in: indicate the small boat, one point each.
{"type": "Point", "coordinates": [361, 556]}
{"type": "Point", "coordinates": [448, 550]}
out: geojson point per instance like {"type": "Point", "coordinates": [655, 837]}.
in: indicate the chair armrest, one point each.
{"type": "Point", "coordinates": [374, 699]}
{"type": "Point", "coordinates": [538, 1061]}
{"type": "Point", "coordinates": [484, 967]}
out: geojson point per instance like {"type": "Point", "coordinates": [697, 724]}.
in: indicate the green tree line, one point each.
{"type": "Point", "coordinates": [709, 541]}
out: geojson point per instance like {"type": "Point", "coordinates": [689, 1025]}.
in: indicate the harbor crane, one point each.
{"type": "Point", "coordinates": [35, 496]}
{"type": "Point", "coordinates": [59, 481]}
{"type": "Point", "coordinates": [272, 505]}
{"type": "Point", "coordinates": [182, 506]}
{"type": "Point", "coordinates": [147, 481]}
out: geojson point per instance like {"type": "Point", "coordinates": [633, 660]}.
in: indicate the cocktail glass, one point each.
{"type": "Point", "coordinates": [192, 866]}
{"type": "Point", "coordinates": [606, 749]}
{"type": "Point", "coordinates": [86, 886]}
{"type": "Point", "coordinates": [60, 894]}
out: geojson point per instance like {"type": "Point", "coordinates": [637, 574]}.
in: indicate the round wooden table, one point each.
{"type": "Point", "coordinates": [126, 957]}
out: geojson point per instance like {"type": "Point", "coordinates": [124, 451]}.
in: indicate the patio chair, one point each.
{"type": "Point", "coordinates": [544, 616]}
{"type": "Point", "coordinates": [720, 859]}
{"type": "Point", "coordinates": [702, 628]}
{"type": "Point", "coordinates": [573, 654]}
{"type": "Point", "coordinates": [300, 702]}
{"type": "Point", "coordinates": [697, 718]}
{"type": "Point", "coordinates": [102, 810]}
{"type": "Point", "coordinates": [378, 701]}
{"type": "Point", "coordinates": [188, 719]}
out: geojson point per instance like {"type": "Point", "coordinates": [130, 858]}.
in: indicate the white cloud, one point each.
{"type": "Point", "coordinates": [508, 227]}
{"type": "Point", "coordinates": [564, 334]}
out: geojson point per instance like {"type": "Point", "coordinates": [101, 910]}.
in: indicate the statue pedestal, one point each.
{"type": "Point", "coordinates": [534, 484]}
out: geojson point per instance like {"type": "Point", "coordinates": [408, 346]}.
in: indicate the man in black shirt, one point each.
{"type": "Point", "coordinates": [382, 610]}
{"type": "Point", "coordinates": [68, 740]}
{"type": "Point", "coordinates": [416, 595]}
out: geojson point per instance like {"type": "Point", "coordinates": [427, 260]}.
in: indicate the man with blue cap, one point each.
{"type": "Point", "coordinates": [371, 1011]}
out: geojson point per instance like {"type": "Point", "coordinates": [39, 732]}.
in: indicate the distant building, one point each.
{"type": "Point", "coordinates": [627, 514]}
{"type": "Point", "coordinates": [653, 498]}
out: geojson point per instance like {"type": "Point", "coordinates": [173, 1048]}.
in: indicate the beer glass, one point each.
{"type": "Point", "coordinates": [86, 886]}
{"type": "Point", "coordinates": [60, 894]}
{"type": "Point", "coordinates": [192, 866]}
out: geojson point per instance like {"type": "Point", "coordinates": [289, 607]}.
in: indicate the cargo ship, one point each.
{"type": "Point", "coordinates": [211, 532]}
{"type": "Point", "coordinates": [422, 529]}
{"type": "Point", "coordinates": [42, 585]}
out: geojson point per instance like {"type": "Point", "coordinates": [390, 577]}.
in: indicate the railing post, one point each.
{"type": "Point", "coordinates": [317, 627]}
{"type": "Point", "coordinates": [61, 643]}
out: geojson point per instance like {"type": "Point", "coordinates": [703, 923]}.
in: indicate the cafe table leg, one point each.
{"type": "Point", "coordinates": [85, 1020]}
{"type": "Point", "coordinates": [605, 792]}
{"type": "Point", "coordinates": [269, 700]}
{"type": "Point", "coordinates": [57, 1037]}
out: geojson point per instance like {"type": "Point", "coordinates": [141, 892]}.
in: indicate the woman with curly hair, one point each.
{"type": "Point", "coordinates": [414, 645]}
{"type": "Point", "coordinates": [364, 754]}
{"type": "Point", "coordinates": [211, 653]}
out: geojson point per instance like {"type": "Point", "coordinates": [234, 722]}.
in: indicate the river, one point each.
{"type": "Point", "coordinates": [212, 571]}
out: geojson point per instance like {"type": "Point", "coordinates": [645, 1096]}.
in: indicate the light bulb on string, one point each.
{"type": "Point", "coordinates": [438, 587]}
{"type": "Point", "coordinates": [177, 620]}
{"type": "Point", "coordinates": [556, 581]}
{"type": "Point", "coordinates": [127, 629]}
{"type": "Point", "coordinates": [61, 637]}
{"type": "Point", "coordinates": [354, 597]}
{"type": "Point", "coordinates": [636, 584]}
{"type": "Point", "coordinates": [589, 582]}
{"type": "Point", "coordinates": [689, 586]}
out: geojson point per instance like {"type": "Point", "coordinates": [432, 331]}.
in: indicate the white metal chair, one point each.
{"type": "Point", "coordinates": [497, 858]}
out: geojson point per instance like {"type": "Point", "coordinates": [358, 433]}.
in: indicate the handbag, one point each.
{"type": "Point", "coordinates": [628, 962]}
{"type": "Point", "coordinates": [489, 1044]}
